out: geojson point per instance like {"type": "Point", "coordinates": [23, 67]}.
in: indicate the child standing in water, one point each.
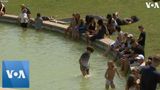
{"type": "Point", "coordinates": [109, 75]}
{"type": "Point", "coordinates": [84, 61]}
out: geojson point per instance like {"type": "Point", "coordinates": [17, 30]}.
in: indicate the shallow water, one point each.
{"type": "Point", "coordinates": [53, 60]}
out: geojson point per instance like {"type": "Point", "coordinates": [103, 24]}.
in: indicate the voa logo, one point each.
{"type": "Point", "coordinates": [152, 4]}
{"type": "Point", "coordinates": [13, 74]}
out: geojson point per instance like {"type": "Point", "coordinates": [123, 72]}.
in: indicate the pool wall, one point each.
{"type": "Point", "coordinates": [47, 25]}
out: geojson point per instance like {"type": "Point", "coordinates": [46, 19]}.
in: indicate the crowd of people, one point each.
{"type": "Point", "coordinates": [127, 48]}
{"type": "Point", "coordinates": [91, 28]}
{"type": "Point", "coordinates": [129, 51]}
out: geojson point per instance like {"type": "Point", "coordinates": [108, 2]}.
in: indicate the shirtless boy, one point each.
{"type": "Point", "coordinates": [109, 75]}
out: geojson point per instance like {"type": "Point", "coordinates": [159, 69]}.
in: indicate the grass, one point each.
{"type": "Point", "coordinates": [149, 18]}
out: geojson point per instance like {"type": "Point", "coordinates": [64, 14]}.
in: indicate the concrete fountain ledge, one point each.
{"type": "Point", "coordinates": [102, 44]}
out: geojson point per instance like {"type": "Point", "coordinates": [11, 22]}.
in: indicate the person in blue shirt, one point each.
{"type": "Point", "coordinates": [38, 22]}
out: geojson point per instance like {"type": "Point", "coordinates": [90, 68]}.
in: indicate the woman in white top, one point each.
{"type": "Point", "coordinates": [23, 18]}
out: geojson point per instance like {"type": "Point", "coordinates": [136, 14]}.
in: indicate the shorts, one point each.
{"type": "Point", "coordinates": [109, 82]}
{"type": "Point", "coordinates": [24, 25]}
{"type": "Point", "coordinates": [84, 67]}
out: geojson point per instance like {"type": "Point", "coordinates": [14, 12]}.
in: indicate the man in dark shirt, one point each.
{"type": "Point", "coordinates": [142, 36]}
{"type": "Point", "coordinates": [149, 76]}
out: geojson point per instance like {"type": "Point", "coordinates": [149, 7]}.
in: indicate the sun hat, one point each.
{"type": "Point", "coordinates": [130, 35]}
{"type": "Point", "coordinates": [140, 57]}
